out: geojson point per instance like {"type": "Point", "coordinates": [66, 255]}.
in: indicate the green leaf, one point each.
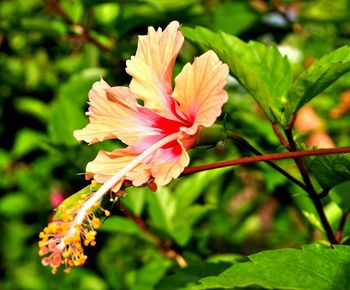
{"type": "Point", "coordinates": [5, 159]}
{"type": "Point", "coordinates": [135, 199]}
{"type": "Point", "coordinates": [15, 204]}
{"type": "Point", "coordinates": [107, 12]}
{"type": "Point", "coordinates": [65, 118]}
{"type": "Point", "coordinates": [161, 205]}
{"type": "Point", "coordinates": [185, 219]}
{"type": "Point", "coordinates": [151, 273]}
{"type": "Point", "coordinates": [117, 224]}
{"type": "Point", "coordinates": [66, 111]}
{"type": "Point", "coordinates": [190, 188]}
{"type": "Point", "coordinates": [27, 140]}
{"type": "Point", "coordinates": [318, 77]}
{"type": "Point", "coordinates": [312, 268]}
{"type": "Point", "coordinates": [259, 68]}
{"type": "Point", "coordinates": [184, 279]}
{"type": "Point", "coordinates": [74, 9]}
{"type": "Point", "coordinates": [330, 170]}
{"type": "Point", "coordinates": [77, 88]}
{"type": "Point", "coordinates": [307, 207]}
{"type": "Point", "coordinates": [340, 194]}
{"type": "Point", "coordinates": [244, 17]}
{"type": "Point", "coordinates": [53, 27]}
{"type": "Point", "coordinates": [85, 279]}
{"type": "Point", "coordinates": [34, 107]}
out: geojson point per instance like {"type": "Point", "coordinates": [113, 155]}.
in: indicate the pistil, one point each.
{"type": "Point", "coordinates": [61, 240]}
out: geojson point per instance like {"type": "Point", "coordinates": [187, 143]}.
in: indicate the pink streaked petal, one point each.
{"type": "Point", "coordinates": [169, 163]}
{"type": "Point", "coordinates": [121, 95]}
{"type": "Point", "coordinates": [140, 175]}
{"type": "Point", "coordinates": [152, 66]}
{"type": "Point", "coordinates": [107, 164]}
{"type": "Point", "coordinates": [199, 90]}
{"type": "Point", "coordinates": [166, 164]}
{"type": "Point", "coordinates": [113, 114]}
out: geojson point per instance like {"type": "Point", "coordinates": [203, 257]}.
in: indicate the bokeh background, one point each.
{"type": "Point", "coordinates": [51, 52]}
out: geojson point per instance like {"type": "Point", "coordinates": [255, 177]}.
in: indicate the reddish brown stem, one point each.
{"type": "Point", "coordinates": [279, 135]}
{"type": "Point", "coordinates": [241, 142]}
{"type": "Point", "coordinates": [266, 157]}
{"type": "Point", "coordinates": [307, 180]}
{"type": "Point", "coordinates": [291, 122]}
{"type": "Point", "coordinates": [339, 232]}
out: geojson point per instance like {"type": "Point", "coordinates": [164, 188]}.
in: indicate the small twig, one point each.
{"type": "Point", "coordinates": [171, 253]}
{"type": "Point", "coordinates": [279, 135]}
{"type": "Point", "coordinates": [245, 144]}
{"type": "Point", "coordinates": [339, 232]}
{"type": "Point", "coordinates": [84, 32]}
{"type": "Point", "coordinates": [94, 41]}
{"type": "Point", "coordinates": [54, 6]}
{"type": "Point", "coordinates": [291, 122]}
{"type": "Point", "coordinates": [264, 158]}
{"type": "Point", "coordinates": [310, 188]}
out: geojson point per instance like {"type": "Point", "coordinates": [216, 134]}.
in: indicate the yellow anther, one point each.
{"type": "Point", "coordinates": [77, 263]}
{"type": "Point", "coordinates": [67, 253]}
{"type": "Point", "coordinates": [61, 242]}
{"type": "Point", "coordinates": [67, 270]}
{"type": "Point", "coordinates": [41, 244]}
{"type": "Point", "coordinates": [96, 222]}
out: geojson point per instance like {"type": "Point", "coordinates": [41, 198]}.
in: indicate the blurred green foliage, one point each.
{"type": "Point", "coordinates": [50, 54]}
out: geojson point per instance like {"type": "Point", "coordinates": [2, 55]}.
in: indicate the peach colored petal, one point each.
{"type": "Point", "coordinates": [139, 175]}
{"type": "Point", "coordinates": [169, 163]}
{"type": "Point", "coordinates": [164, 165]}
{"type": "Point", "coordinates": [152, 67]}
{"type": "Point", "coordinates": [113, 113]}
{"type": "Point", "coordinates": [106, 164]}
{"type": "Point", "coordinates": [121, 95]}
{"type": "Point", "coordinates": [199, 90]}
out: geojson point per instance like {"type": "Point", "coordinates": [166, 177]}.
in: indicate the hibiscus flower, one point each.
{"type": "Point", "coordinates": [115, 113]}
{"type": "Point", "coordinates": [156, 122]}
